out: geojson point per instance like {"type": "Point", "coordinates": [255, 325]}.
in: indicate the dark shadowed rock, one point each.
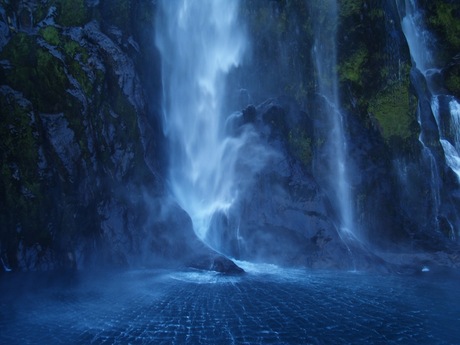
{"type": "Point", "coordinates": [215, 262]}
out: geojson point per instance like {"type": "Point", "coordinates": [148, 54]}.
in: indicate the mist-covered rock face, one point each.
{"type": "Point", "coordinates": [84, 160]}
{"type": "Point", "coordinates": [398, 202]}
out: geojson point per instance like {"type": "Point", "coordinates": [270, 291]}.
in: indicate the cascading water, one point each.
{"type": "Point", "coordinates": [200, 42]}
{"type": "Point", "coordinates": [325, 16]}
{"type": "Point", "coordinates": [445, 109]}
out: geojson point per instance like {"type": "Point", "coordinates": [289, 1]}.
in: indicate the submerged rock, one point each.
{"type": "Point", "coordinates": [215, 262]}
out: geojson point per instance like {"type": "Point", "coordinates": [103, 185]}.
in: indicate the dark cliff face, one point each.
{"type": "Point", "coordinates": [398, 201]}
{"type": "Point", "coordinates": [83, 154]}
{"type": "Point", "coordinates": [77, 118]}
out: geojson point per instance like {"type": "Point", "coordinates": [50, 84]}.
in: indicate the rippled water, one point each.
{"type": "Point", "coordinates": [265, 306]}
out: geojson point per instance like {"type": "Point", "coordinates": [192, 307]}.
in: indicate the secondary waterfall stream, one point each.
{"type": "Point", "coordinates": [445, 108]}
{"type": "Point", "coordinates": [199, 41]}
{"type": "Point", "coordinates": [325, 60]}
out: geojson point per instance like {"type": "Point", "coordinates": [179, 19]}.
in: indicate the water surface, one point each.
{"type": "Point", "coordinates": [265, 306]}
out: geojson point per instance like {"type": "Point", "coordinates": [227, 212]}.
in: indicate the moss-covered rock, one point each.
{"type": "Point", "coordinates": [71, 12]}
{"type": "Point", "coordinates": [36, 73]}
{"type": "Point", "coordinates": [353, 68]}
{"type": "Point", "coordinates": [394, 111]}
{"type": "Point", "coordinates": [23, 195]}
{"type": "Point", "coordinates": [445, 18]}
{"type": "Point", "coordinates": [51, 35]}
{"type": "Point", "coordinates": [70, 131]}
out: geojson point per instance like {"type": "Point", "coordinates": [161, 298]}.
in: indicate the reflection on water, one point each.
{"type": "Point", "coordinates": [268, 305]}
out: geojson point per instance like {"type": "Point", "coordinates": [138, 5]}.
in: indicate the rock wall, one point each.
{"type": "Point", "coordinates": [399, 204]}
{"type": "Point", "coordinates": [76, 123]}
{"type": "Point", "coordinates": [83, 155]}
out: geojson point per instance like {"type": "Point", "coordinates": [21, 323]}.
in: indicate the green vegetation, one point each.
{"type": "Point", "coordinates": [36, 73]}
{"type": "Point", "coordinates": [352, 69]}
{"type": "Point", "coordinates": [71, 12]}
{"type": "Point", "coordinates": [41, 76]}
{"type": "Point", "coordinates": [447, 20]}
{"type": "Point", "coordinates": [72, 48]}
{"type": "Point", "coordinates": [393, 111]}
{"type": "Point", "coordinates": [51, 35]}
{"type": "Point", "coordinates": [20, 187]}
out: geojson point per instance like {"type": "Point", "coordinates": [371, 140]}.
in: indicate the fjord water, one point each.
{"type": "Point", "coordinates": [268, 305]}
{"type": "Point", "coordinates": [199, 41]}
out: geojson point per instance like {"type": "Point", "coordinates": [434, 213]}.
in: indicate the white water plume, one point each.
{"type": "Point", "coordinates": [200, 42]}
{"type": "Point", "coordinates": [419, 39]}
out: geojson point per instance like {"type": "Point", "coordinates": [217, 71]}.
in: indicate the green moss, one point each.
{"type": "Point", "coordinates": [48, 63]}
{"type": "Point", "coordinates": [393, 111]}
{"type": "Point", "coordinates": [71, 12]}
{"type": "Point", "coordinates": [79, 74]}
{"type": "Point", "coordinates": [74, 55]}
{"type": "Point", "coordinates": [71, 48]}
{"type": "Point", "coordinates": [18, 143]}
{"type": "Point", "coordinates": [352, 69]}
{"type": "Point", "coordinates": [37, 74]}
{"type": "Point", "coordinates": [20, 48]}
{"type": "Point", "coordinates": [447, 20]}
{"type": "Point", "coordinates": [21, 52]}
{"type": "Point", "coordinates": [51, 35]}
{"type": "Point", "coordinates": [52, 81]}
{"type": "Point", "coordinates": [21, 192]}
{"type": "Point", "coordinates": [300, 145]}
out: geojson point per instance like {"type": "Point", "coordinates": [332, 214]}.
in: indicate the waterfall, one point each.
{"type": "Point", "coordinates": [440, 128]}
{"type": "Point", "coordinates": [452, 150]}
{"type": "Point", "coordinates": [325, 17]}
{"type": "Point", "coordinates": [200, 42]}
{"type": "Point", "coordinates": [445, 108]}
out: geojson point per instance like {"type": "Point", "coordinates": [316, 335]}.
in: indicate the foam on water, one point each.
{"type": "Point", "coordinates": [204, 277]}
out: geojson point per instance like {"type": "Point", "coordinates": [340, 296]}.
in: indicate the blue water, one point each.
{"type": "Point", "coordinates": [265, 306]}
